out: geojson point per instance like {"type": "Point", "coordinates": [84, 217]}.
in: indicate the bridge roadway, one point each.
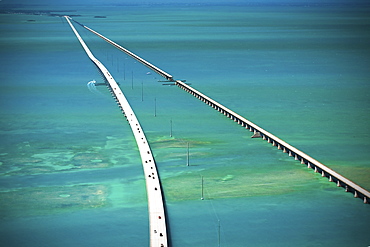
{"type": "Point", "coordinates": [325, 171]}
{"type": "Point", "coordinates": [157, 216]}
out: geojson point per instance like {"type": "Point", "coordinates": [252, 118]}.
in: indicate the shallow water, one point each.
{"type": "Point", "coordinates": [300, 73]}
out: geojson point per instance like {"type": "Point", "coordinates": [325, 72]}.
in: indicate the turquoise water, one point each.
{"type": "Point", "coordinates": [70, 170]}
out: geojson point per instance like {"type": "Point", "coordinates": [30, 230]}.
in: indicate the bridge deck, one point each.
{"type": "Point", "coordinates": [157, 217]}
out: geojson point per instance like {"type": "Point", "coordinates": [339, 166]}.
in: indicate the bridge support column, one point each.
{"type": "Point", "coordinates": [256, 134]}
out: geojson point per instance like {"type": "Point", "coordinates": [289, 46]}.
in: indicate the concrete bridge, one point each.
{"type": "Point", "coordinates": [257, 131]}
{"type": "Point", "coordinates": [156, 208]}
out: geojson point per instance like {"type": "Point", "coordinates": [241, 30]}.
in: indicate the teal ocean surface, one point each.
{"type": "Point", "coordinates": [70, 171]}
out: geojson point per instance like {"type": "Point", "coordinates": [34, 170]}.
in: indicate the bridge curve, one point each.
{"type": "Point", "coordinates": [156, 208]}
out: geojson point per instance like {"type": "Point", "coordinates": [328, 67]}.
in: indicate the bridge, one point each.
{"type": "Point", "coordinates": [298, 155]}
{"type": "Point", "coordinates": [257, 131]}
{"type": "Point", "coordinates": [156, 207]}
